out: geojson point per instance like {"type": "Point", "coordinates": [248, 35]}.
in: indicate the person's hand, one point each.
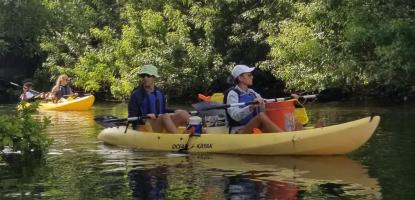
{"type": "Point", "coordinates": [295, 96]}
{"type": "Point", "coordinates": [40, 96]}
{"type": "Point", "coordinates": [259, 103]}
{"type": "Point", "coordinates": [151, 116]}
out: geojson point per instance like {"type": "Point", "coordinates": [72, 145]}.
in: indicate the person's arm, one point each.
{"type": "Point", "coordinates": [260, 105]}
{"type": "Point", "coordinates": [134, 105]}
{"type": "Point", "coordinates": [236, 112]}
{"type": "Point", "coordinates": [71, 93]}
{"type": "Point", "coordinates": [54, 92]}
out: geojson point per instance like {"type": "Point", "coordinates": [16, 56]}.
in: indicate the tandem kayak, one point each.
{"type": "Point", "coordinates": [331, 140]}
{"type": "Point", "coordinates": [77, 104]}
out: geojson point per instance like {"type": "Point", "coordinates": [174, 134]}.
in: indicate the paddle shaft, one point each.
{"type": "Point", "coordinates": [15, 84]}
{"type": "Point", "coordinates": [129, 119]}
{"type": "Point", "coordinates": [224, 106]}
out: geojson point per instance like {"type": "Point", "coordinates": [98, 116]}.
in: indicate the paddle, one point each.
{"type": "Point", "coordinates": [17, 85]}
{"type": "Point", "coordinates": [208, 105]}
{"type": "Point", "coordinates": [108, 121]}
{"type": "Point", "coordinates": [185, 148]}
{"type": "Point", "coordinates": [111, 121]}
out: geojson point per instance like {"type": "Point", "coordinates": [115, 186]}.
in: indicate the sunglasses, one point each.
{"type": "Point", "coordinates": [146, 76]}
{"type": "Point", "coordinates": [248, 74]}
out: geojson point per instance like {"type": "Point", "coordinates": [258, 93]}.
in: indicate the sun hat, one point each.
{"type": "Point", "coordinates": [240, 69]}
{"type": "Point", "coordinates": [150, 70]}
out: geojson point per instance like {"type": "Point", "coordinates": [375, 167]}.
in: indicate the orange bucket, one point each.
{"type": "Point", "coordinates": [282, 114]}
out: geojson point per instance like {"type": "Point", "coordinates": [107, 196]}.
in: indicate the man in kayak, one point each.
{"type": "Point", "coordinates": [28, 94]}
{"type": "Point", "coordinates": [148, 101]}
{"type": "Point", "coordinates": [244, 119]}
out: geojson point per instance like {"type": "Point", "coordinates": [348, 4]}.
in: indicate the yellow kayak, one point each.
{"type": "Point", "coordinates": [331, 140]}
{"type": "Point", "coordinates": [77, 104]}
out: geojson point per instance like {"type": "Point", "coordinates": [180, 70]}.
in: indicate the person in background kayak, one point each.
{"type": "Point", "coordinates": [62, 88]}
{"type": "Point", "coordinates": [28, 94]}
{"type": "Point", "coordinates": [147, 100]}
{"type": "Point", "coordinates": [244, 119]}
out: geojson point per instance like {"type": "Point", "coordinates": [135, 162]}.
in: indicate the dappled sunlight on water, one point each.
{"type": "Point", "coordinates": [78, 166]}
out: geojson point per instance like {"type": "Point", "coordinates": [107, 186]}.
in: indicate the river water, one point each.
{"type": "Point", "coordinates": [78, 166]}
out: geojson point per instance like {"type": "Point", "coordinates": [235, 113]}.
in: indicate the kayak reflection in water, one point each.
{"type": "Point", "coordinates": [149, 183]}
{"type": "Point", "coordinates": [242, 187]}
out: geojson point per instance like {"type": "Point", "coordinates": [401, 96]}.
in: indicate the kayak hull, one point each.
{"type": "Point", "coordinates": [331, 140]}
{"type": "Point", "coordinates": [78, 104]}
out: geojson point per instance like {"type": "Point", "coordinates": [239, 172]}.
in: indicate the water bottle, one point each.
{"type": "Point", "coordinates": [289, 122]}
{"type": "Point", "coordinates": [195, 125]}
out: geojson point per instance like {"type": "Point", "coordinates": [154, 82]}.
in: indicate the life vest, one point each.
{"type": "Point", "coordinates": [242, 98]}
{"type": "Point", "coordinates": [64, 90]}
{"type": "Point", "coordinates": [152, 103]}
{"type": "Point", "coordinates": [141, 104]}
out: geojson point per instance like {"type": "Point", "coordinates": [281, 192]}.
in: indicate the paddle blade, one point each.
{"type": "Point", "coordinates": [209, 108]}
{"type": "Point", "coordinates": [110, 121]}
{"type": "Point", "coordinates": [205, 105]}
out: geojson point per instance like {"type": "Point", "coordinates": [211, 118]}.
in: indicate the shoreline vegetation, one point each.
{"type": "Point", "coordinates": [352, 49]}
{"type": "Point", "coordinates": [23, 136]}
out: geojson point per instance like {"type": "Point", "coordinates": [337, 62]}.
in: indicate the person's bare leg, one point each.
{"type": "Point", "coordinates": [168, 123]}
{"type": "Point", "coordinates": [320, 123]}
{"type": "Point", "coordinates": [180, 117]}
{"type": "Point", "coordinates": [156, 125]}
{"type": "Point", "coordinates": [263, 122]}
{"type": "Point", "coordinates": [254, 123]}
{"type": "Point", "coordinates": [298, 125]}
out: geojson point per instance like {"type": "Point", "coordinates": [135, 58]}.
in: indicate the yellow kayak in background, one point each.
{"type": "Point", "coordinates": [77, 104]}
{"type": "Point", "coordinates": [331, 140]}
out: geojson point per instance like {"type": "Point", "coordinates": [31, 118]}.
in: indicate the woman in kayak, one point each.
{"type": "Point", "coordinates": [148, 101]}
{"type": "Point", "coordinates": [62, 88]}
{"type": "Point", "coordinates": [245, 119]}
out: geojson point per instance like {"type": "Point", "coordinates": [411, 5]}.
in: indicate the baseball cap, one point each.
{"type": "Point", "coordinates": [240, 69]}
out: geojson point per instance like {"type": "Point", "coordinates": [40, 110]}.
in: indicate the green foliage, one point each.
{"type": "Point", "coordinates": [162, 35]}
{"type": "Point", "coordinates": [23, 132]}
{"type": "Point", "coordinates": [304, 50]}
{"type": "Point", "coordinates": [21, 23]}
{"type": "Point", "coordinates": [310, 45]}
{"type": "Point", "coordinates": [348, 44]}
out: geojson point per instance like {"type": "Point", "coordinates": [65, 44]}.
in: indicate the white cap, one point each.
{"type": "Point", "coordinates": [240, 69]}
{"type": "Point", "coordinates": [195, 120]}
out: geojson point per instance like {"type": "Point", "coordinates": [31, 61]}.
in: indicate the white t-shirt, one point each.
{"type": "Point", "coordinates": [28, 94]}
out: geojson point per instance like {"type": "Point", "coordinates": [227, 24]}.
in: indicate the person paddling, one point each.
{"type": "Point", "coordinates": [27, 94]}
{"type": "Point", "coordinates": [62, 88]}
{"type": "Point", "coordinates": [244, 119]}
{"type": "Point", "coordinates": [148, 100]}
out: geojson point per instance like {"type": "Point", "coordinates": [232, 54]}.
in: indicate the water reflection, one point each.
{"type": "Point", "coordinates": [210, 176]}
{"type": "Point", "coordinates": [148, 183]}
{"type": "Point", "coordinates": [70, 121]}
{"type": "Point", "coordinates": [79, 166]}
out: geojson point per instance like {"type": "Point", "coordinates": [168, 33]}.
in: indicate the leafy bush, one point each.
{"type": "Point", "coordinates": [24, 133]}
